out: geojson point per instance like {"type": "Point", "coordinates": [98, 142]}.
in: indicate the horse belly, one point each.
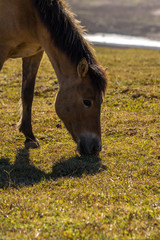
{"type": "Point", "coordinates": [24, 50]}
{"type": "Point", "coordinates": [18, 29]}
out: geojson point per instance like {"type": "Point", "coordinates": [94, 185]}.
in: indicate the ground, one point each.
{"type": "Point", "coordinates": [51, 192]}
{"type": "Point", "coordinates": [130, 17]}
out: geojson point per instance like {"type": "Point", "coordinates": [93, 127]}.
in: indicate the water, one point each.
{"type": "Point", "coordinates": [114, 40]}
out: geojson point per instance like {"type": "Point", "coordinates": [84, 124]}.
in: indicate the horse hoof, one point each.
{"type": "Point", "coordinates": [31, 144]}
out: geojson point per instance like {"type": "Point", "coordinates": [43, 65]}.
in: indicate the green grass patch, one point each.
{"type": "Point", "coordinates": [52, 193]}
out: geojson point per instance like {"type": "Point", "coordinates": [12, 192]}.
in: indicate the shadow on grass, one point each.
{"type": "Point", "coordinates": [23, 173]}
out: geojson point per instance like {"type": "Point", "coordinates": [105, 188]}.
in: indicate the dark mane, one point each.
{"type": "Point", "coordinates": [66, 33]}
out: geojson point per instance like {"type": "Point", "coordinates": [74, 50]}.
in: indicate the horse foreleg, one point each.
{"type": "Point", "coordinates": [3, 55]}
{"type": "Point", "coordinates": [30, 67]}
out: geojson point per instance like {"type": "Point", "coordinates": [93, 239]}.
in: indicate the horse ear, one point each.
{"type": "Point", "coordinates": [82, 68]}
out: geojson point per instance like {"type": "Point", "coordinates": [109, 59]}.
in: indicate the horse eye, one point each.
{"type": "Point", "coordinates": [87, 103]}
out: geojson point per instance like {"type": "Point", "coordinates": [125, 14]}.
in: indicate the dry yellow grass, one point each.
{"type": "Point", "coordinates": [51, 193]}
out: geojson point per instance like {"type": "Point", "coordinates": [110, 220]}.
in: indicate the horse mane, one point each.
{"type": "Point", "coordinates": [66, 33]}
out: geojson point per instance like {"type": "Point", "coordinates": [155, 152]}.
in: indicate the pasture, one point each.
{"type": "Point", "coordinates": [51, 192]}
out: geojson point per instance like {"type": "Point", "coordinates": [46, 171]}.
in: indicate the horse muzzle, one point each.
{"type": "Point", "coordinates": [89, 144]}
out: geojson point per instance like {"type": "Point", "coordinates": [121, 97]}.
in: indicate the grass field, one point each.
{"type": "Point", "coordinates": [51, 192]}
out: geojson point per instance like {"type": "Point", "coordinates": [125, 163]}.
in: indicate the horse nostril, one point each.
{"type": "Point", "coordinates": [89, 144]}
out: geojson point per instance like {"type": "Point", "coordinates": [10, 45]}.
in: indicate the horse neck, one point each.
{"type": "Point", "coordinates": [65, 70]}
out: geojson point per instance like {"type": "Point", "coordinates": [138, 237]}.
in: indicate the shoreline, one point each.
{"type": "Point", "coordinates": [122, 41]}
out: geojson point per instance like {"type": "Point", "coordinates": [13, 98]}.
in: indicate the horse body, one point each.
{"type": "Point", "coordinates": [17, 29]}
{"type": "Point", "coordinates": [30, 27]}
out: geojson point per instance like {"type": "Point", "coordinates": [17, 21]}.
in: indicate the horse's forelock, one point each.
{"type": "Point", "coordinates": [98, 77]}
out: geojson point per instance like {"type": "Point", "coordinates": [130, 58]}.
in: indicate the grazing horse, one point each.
{"type": "Point", "coordinates": [30, 27]}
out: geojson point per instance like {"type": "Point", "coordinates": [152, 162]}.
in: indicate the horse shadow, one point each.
{"type": "Point", "coordinates": [22, 172]}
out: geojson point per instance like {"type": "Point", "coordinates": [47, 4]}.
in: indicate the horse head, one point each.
{"type": "Point", "coordinates": [78, 105]}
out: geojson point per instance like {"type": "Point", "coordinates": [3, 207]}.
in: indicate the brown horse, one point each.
{"type": "Point", "coordinates": [30, 27]}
